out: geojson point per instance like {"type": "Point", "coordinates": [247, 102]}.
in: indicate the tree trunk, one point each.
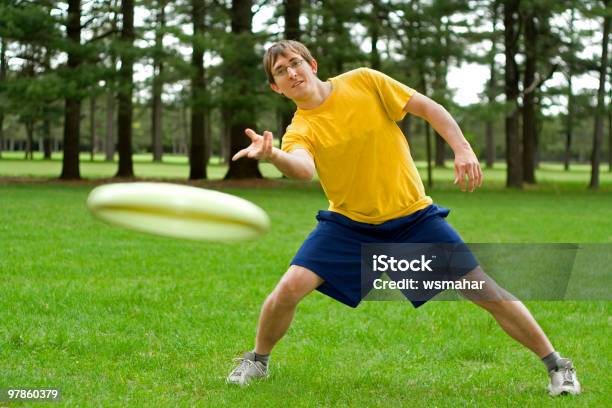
{"type": "Point", "coordinates": [125, 108]}
{"type": "Point", "coordinates": [208, 134]}
{"type": "Point", "coordinates": [92, 126]}
{"type": "Point", "coordinates": [439, 89]}
{"type": "Point", "coordinates": [601, 109]}
{"type": "Point", "coordinates": [569, 125]}
{"type": "Point", "coordinates": [157, 121]}
{"type": "Point", "coordinates": [242, 112]}
{"type": "Point", "coordinates": [158, 68]}
{"type": "Point", "coordinates": [514, 175]}
{"type": "Point", "coordinates": [375, 22]}
{"type": "Point", "coordinates": [609, 137]}
{"type": "Point", "coordinates": [489, 144]}
{"type": "Point", "coordinates": [491, 92]}
{"type": "Point", "coordinates": [427, 134]}
{"type": "Point", "coordinates": [1, 134]}
{"type": "Point", "coordinates": [529, 102]}
{"type": "Point", "coordinates": [109, 140]}
{"type": "Point", "coordinates": [293, 9]}
{"type": "Point", "coordinates": [197, 154]}
{"type": "Point", "coordinates": [45, 146]}
{"type": "Point", "coordinates": [226, 136]}
{"type": "Point", "coordinates": [47, 139]}
{"type": "Point", "coordinates": [72, 113]}
{"type": "Point", "coordinates": [29, 125]}
{"type": "Point", "coordinates": [184, 135]}
{"type": "Point", "coordinates": [440, 150]}
{"type": "Point", "coordinates": [2, 79]}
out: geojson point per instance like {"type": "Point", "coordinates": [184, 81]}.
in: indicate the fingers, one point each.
{"type": "Point", "coordinates": [267, 144]}
{"type": "Point", "coordinates": [460, 177]}
{"type": "Point", "coordinates": [471, 178]}
{"type": "Point", "coordinates": [251, 134]}
{"type": "Point", "coordinates": [480, 177]}
{"type": "Point", "coordinates": [240, 154]}
{"type": "Point", "coordinates": [473, 172]}
{"type": "Point", "coordinates": [475, 176]}
{"type": "Point", "coordinates": [260, 148]}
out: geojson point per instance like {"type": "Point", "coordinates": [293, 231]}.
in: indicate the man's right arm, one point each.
{"type": "Point", "coordinates": [298, 164]}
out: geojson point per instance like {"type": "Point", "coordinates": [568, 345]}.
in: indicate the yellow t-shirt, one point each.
{"type": "Point", "coordinates": [361, 155]}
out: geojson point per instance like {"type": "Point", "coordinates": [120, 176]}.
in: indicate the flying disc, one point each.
{"type": "Point", "coordinates": [178, 211]}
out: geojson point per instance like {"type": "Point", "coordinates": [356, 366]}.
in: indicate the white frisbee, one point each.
{"type": "Point", "coordinates": [178, 211]}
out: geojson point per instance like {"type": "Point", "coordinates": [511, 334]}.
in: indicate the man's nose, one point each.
{"type": "Point", "coordinates": [291, 71]}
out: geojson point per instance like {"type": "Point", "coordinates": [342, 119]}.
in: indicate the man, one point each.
{"type": "Point", "coordinates": [346, 129]}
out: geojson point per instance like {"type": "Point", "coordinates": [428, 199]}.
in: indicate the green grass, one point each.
{"type": "Point", "coordinates": [173, 167]}
{"type": "Point", "coordinates": [116, 318]}
{"type": "Point", "coordinates": [176, 167]}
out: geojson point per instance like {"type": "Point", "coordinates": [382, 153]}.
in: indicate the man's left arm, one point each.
{"type": "Point", "coordinates": [466, 163]}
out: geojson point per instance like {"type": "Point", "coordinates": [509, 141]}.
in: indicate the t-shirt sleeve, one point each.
{"type": "Point", "coordinates": [393, 94]}
{"type": "Point", "coordinates": [297, 136]}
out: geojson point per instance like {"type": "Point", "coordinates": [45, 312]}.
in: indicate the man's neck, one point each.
{"type": "Point", "coordinates": [321, 93]}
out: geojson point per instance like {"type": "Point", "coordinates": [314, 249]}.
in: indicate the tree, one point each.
{"type": "Point", "coordinates": [492, 89]}
{"type": "Point", "coordinates": [529, 101]}
{"type": "Point", "coordinates": [610, 126]}
{"type": "Point", "coordinates": [335, 48]}
{"type": "Point", "coordinates": [241, 65]}
{"type": "Point", "coordinates": [571, 64]}
{"type": "Point", "coordinates": [197, 152]}
{"type": "Point", "coordinates": [47, 111]}
{"type": "Point", "coordinates": [3, 69]}
{"type": "Point", "coordinates": [292, 11]}
{"type": "Point", "coordinates": [375, 21]}
{"type": "Point", "coordinates": [514, 175]}
{"type": "Point", "coordinates": [125, 106]}
{"type": "Point", "coordinates": [111, 97]}
{"type": "Point", "coordinates": [158, 69]}
{"type": "Point", "coordinates": [72, 113]}
{"type": "Point", "coordinates": [599, 113]}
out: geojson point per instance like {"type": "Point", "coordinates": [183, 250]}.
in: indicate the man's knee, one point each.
{"type": "Point", "coordinates": [294, 285]}
{"type": "Point", "coordinates": [490, 295]}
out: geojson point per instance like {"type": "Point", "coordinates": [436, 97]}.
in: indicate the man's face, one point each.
{"type": "Point", "coordinates": [295, 78]}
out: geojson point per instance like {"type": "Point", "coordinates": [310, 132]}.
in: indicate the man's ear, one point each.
{"type": "Point", "coordinates": [314, 66]}
{"type": "Point", "coordinates": [276, 89]}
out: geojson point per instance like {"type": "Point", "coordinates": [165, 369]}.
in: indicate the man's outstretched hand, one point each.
{"type": "Point", "coordinates": [466, 165]}
{"type": "Point", "coordinates": [260, 147]}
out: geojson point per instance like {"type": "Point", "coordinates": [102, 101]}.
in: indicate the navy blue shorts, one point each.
{"type": "Point", "coordinates": [333, 248]}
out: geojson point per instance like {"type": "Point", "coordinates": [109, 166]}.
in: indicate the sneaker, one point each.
{"type": "Point", "coordinates": [563, 380]}
{"type": "Point", "coordinates": [247, 369]}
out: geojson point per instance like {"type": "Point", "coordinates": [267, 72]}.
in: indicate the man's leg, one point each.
{"type": "Point", "coordinates": [516, 320]}
{"type": "Point", "coordinates": [274, 320]}
{"type": "Point", "coordinates": [279, 308]}
{"type": "Point", "coordinates": [510, 313]}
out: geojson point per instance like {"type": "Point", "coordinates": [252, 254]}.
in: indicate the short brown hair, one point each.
{"type": "Point", "coordinates": [280, 48]}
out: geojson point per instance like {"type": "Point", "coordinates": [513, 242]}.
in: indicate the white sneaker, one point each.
{"type": "Point", "coordinates": [563, 380]}
{"type": "Point", "coordinates": [246, 370]}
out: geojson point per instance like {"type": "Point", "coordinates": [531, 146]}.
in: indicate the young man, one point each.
{"type": "Point", "coordinates": [346, 129]}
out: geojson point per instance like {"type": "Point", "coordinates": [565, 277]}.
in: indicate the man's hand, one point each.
{"type": "Point", "coordinates": [466, 164]}
{"type": "Point", "coordinates": [260, 147]}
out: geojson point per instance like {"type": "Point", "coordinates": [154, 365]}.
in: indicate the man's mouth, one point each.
{"type": "Point", "coordinates": [297, 83]}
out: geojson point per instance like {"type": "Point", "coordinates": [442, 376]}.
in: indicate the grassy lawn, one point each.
{"type": "Point", "coordinates": [176, 167]}
{"type": "Point", "coordinates": [116, 318]}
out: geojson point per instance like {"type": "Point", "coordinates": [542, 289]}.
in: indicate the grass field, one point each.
{"type": "Point", "coordinates": [115, 318]}
{"type": "Point", "coordinates": [175, 167]}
